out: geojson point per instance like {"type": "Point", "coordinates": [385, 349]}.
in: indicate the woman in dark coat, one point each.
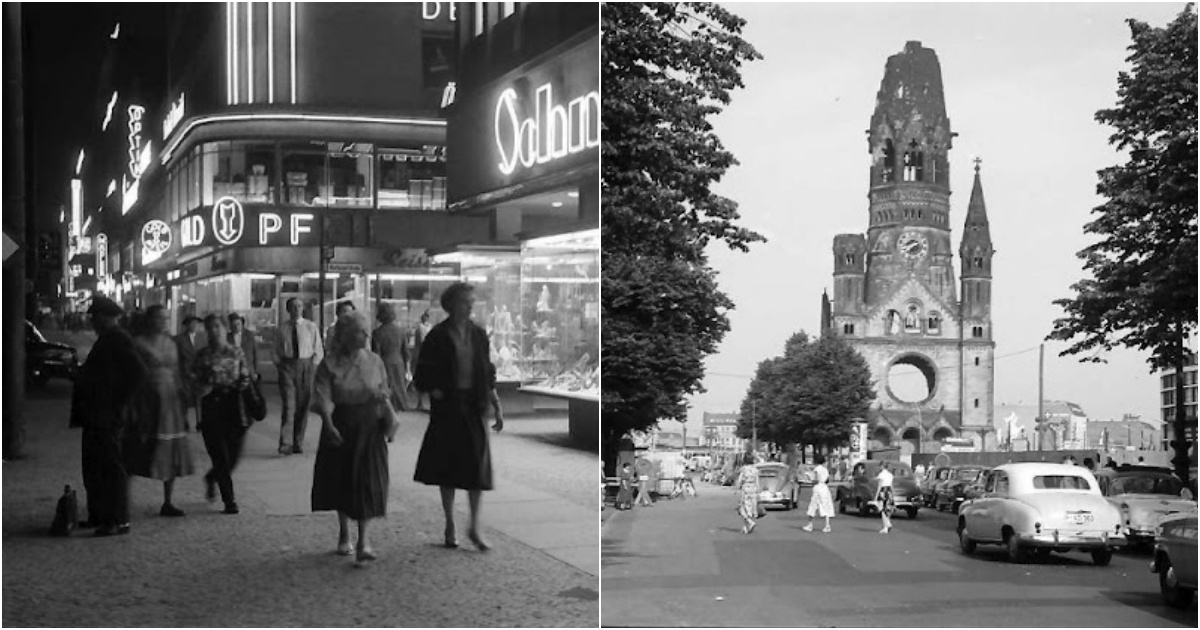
{"type": "Point", "coordinates": [455, 370]}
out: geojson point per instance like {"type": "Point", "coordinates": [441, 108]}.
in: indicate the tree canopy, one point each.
{"type": "Point", "coordinates": [1141, 288]}
{"type": "Point", "coordinates": [809, 395]}
{"type": "Point", "coordinates": [666, 69]}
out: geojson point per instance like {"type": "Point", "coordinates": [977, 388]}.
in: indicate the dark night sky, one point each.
{"type": "Point", "coordinates": [62, 53]}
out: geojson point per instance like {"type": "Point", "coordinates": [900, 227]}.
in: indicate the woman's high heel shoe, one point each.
{"type": "Point", "coordinates": [479, 543]}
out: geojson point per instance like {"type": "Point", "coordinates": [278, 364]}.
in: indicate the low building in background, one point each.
{"type": "Point", "coordinates": [1129, 433]}
{"type": "Point", "coordinates": [1016, 426]}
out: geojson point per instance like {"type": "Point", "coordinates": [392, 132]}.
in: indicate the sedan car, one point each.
{"type": "Point", "coordinates": [1144, 495]}
{"type": "Point", "coordinates": [1175, 560]}
{"type": "Point", "coordinates": [950, 494]}
{"type": "Point", "coordinates": [777, 486]}
{"type": "Point", "coordinates": [1043, 507]}
{"type": "Point", "coordinates": [45, 359]}
{"type": "Point", "coordinates": [859, 491]}
{"type": "Point", "coordinates": [933, 477]}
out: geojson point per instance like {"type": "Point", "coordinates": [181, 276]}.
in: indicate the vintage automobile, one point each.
{"type": "Point", "coordinates": [1175, 559]}
{"type": "Point", "coordinates": [1144, 495]}
{"type": "Point", "coordinates": [1042, 507]}
{"type": "Point", "coordinates": [950, 494]}
{"type": "Point", "coordinates": [45, 359]}
{"type": "Point", "coordinates": [933, 477]}
{"type": "Point", "coordinates": [777, 486]}
{"type": "Point", "coordinates": [859, 490]}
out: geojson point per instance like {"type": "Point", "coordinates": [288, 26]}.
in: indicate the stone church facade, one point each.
{"type": "Point", "coordinates": [895, 297]}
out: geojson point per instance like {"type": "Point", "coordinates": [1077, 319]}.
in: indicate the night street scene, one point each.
{"type": "Point", "coordinates": [301, 314]}
{"type": "Point", "coordinates": [965, 400]}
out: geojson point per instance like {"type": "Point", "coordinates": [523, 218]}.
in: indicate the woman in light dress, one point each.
{"type": "Point", "coordinates": [747, 488]}
{"type": "Point", "coordinates": [163, 452]}
{"type": "Point", "coordinates": [821, 502]}
{"type": "Point", "coordinates": [350, 474]}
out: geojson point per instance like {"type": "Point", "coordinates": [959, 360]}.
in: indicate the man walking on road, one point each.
{"type": "Point", "coordinates": [101, 405]}
{"type": "Point", "coordinates": [187, 342]}
{"type": "Point", "coordinates": [297, 352]}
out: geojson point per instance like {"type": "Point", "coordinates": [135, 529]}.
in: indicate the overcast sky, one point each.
{"type": "Point", "coordinates": [1022, 84]}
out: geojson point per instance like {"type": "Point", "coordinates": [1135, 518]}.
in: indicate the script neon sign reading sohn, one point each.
{"type": "Point", "coordinates": [554, 131]}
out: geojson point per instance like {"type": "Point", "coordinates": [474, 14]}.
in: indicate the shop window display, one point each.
{"type": "Point", "coordinates": [238, 169]}
{"type": "Point", "coordinates": [496, 276]}
{"type": "Point", "coordinates": [305, 174]}
{"type": "Point", "coordinates": [560, 293]}
{"type": "Point", "coordinates": [349, 176]}
{"type": "Point", "coordinates": [412, 179]}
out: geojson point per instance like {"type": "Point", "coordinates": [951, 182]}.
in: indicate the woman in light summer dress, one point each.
{"type": "Point", "coordinates": [747, 486]}
{"type": "Point", "coordinates": [821, 503]}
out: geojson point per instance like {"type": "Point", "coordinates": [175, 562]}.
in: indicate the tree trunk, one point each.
{"type": "Point", "coordinates": [1180, 443]}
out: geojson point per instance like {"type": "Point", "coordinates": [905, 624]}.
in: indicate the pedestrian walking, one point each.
{"type": "Point", "coordinates": [352, 397]}
{"type": "Point", "coordinates": [746, 485]}
{"type": "Point", "coordinates": [821, 501]}
{"type": "Point", "coordinates": [298, 350]}
{"type": "Point", "coordinates": [102, 404]}
{"type": "Point", "coordinates": [343, 307]}
{"type": "Point", "coordinates": [222, 373]}
{"type": "Point", "coordinates": [458, 375]}
{"type": "Point", "coordinates": [243, 339]}
{"type": "Point", "coordinates": [157, 447]}
{"type": "Point", "coordinates": [187, 342]}
{"type": "Point", "coordinates": [643, 483]}
{"type": "Point", "coordinates": [625, 489]}
{"type": "Point", "coordinates": [883, 496]}
{"type": "Point", "coordinates": [422, 330]}
{"type": "Point", "coordinates": [388, 341]}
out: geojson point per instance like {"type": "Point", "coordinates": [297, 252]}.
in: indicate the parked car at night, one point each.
{"type": "Point", "coordinates": [47, 359]}
{"type": "Point", "coordinates": [1144, 495]}
{"type": "Point", "coordinates": [1175, 560]}
{"type": "Point", "coordinates": [934, 476]}
{"type": "Point", "coordinates": [777, 486]}
{"type": "Point", "coordinates": [950, 494]}
{"type": "Point", "coordinates": [859, 490]}
{"type": "Point", "coordinates": [1041, 507]}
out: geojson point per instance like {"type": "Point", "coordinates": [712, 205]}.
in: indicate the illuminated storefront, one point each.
{"type": "Point", "coordinates": [523, 141]}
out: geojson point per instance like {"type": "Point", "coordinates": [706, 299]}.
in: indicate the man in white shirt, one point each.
{"type": "Point", "coordinates": [884, 496]}
{"type": "Point", "coordinates": [298, 350]}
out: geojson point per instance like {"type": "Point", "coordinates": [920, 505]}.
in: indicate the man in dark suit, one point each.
{"type": "Point", "coordinates": [188, 342]}
{"type": "Point", "coordinates": [239, 337]}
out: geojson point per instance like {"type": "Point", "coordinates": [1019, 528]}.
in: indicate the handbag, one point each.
{"type": "Point", "coordinates": [66, 514]}
{"type": "Point", "coordinates": [253, 401]}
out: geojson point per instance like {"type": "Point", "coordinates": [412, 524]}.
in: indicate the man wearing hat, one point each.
{"type": "Point", "coordinates": [102, 405]}
{"type": "Point", "coordinates": [188, 342]}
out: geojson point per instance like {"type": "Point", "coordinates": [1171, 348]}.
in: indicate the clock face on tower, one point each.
{"type": "Point", "coordinates": [913, 245]}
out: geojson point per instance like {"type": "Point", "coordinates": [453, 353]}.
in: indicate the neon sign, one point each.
{"type": "Point", "coordinates": [102, 255]}
{"type": "Point", "coordinates": [270, 223]}
{"type": "Point", "coordinates": [228, 220]}
{"type": "Point", "coordinates": [112, 102]}
{"type": "Point", "coordinates": [156, 240]}
{"type": "Point", "coordinates": [135, 140]}
{"type": "Point", "coordinates": [227, 223]}
{"type": "Point", "coordinates": [433, 10]}
{"type": "Point", "coordinates": [553, 132]}
{"type": "Point", "coordinates": [174, 117]}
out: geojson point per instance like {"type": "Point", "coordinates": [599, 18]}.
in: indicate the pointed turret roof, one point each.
{"type": "Point", "coordinates": [977, 231]}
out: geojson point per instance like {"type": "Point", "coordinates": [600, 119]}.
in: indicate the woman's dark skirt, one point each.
{"type": "Point", "coordinates": [455, 451]}
{"type": "Point", "coordinates": [353, 478]}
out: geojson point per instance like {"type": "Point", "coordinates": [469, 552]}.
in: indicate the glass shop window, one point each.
{"type": "Point", "coordinates": [349, 175]}
{"type": "Point", "coordinates": [262, 292]}
{"type": "Point", "coordinates": [241, 170]}
{"type": "Point", "coordinates": [413, 178]}
{"type": "Point", "coordinates": [305, 174]}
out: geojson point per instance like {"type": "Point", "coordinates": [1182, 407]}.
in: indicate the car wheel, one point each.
{"type": "Point", "coordinates": [1168, 584]}
{"type": "Point", "coordinates": [912, 512]}
{"type": "Point", "coordinates": [1016, 553]}
{"type": "Point", "coordinates": [1102, 557]}
{"type": "Point", "coordinates": [863, 509]}
{"type": "Point", "coordinates": [954, 508]}
{"type": "Point", "coordinates": [964, 541]}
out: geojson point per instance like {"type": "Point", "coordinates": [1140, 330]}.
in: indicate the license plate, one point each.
{"type": "Point", "coordinates": [1080, 518]}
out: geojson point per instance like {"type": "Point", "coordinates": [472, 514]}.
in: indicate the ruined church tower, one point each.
{"type": "Point", "coordinates": [895, 297]}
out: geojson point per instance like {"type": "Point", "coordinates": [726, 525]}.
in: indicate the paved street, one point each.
{"type": "Point", "coordinates": [272, 565]}
{"type": "Point", "coordinates": [686, 563]}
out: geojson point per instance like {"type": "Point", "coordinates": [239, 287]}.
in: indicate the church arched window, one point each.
{"type": "Point", "coordinates": [914, 167]}
{"type": "Point", "coordinates": [889, 161]}
{"type": "Point", "coordinates": [934, 323]}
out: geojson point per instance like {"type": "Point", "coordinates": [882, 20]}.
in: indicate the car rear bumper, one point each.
{"type": "Point", "coordinates": [1068, 539]}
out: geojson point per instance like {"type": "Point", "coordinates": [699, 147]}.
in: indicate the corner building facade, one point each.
{"type": "Point", "coordinates": [896, 299]}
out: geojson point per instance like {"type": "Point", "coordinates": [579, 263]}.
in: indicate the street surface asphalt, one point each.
{"type": "Point", "coordinates": [273, 564]}
{"type": "Point", "coordinates": [686, 563]}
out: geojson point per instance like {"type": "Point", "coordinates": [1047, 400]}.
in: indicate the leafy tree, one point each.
{"type": "Point", "coordinates": [666, 69]}
{"type": "Point", "coordinates": [809, 395]}
{"type": "Point", "coordinates": [1141, 292]}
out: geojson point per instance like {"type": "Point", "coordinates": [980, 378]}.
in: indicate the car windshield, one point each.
{"type": "Point", "coordinates": [969, 474]}
{"type": "Point", "coordinates": [768, 472]}
{"type": "Point", "coordinates": [33, 334]}
{"type": "Point", "coordinates": [1060, 482]}
{"type": "Point", "coordinates": [1146, 484]}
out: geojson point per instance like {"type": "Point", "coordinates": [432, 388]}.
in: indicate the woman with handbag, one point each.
{"type": "Point", "coordinates": [158, 448]}
{"type": "Point", "coordinates": [747, 487]}
{"type": "Point", "coordinates": [352, 397]}
{"type": "Point", "coordinates": [222, 378]}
